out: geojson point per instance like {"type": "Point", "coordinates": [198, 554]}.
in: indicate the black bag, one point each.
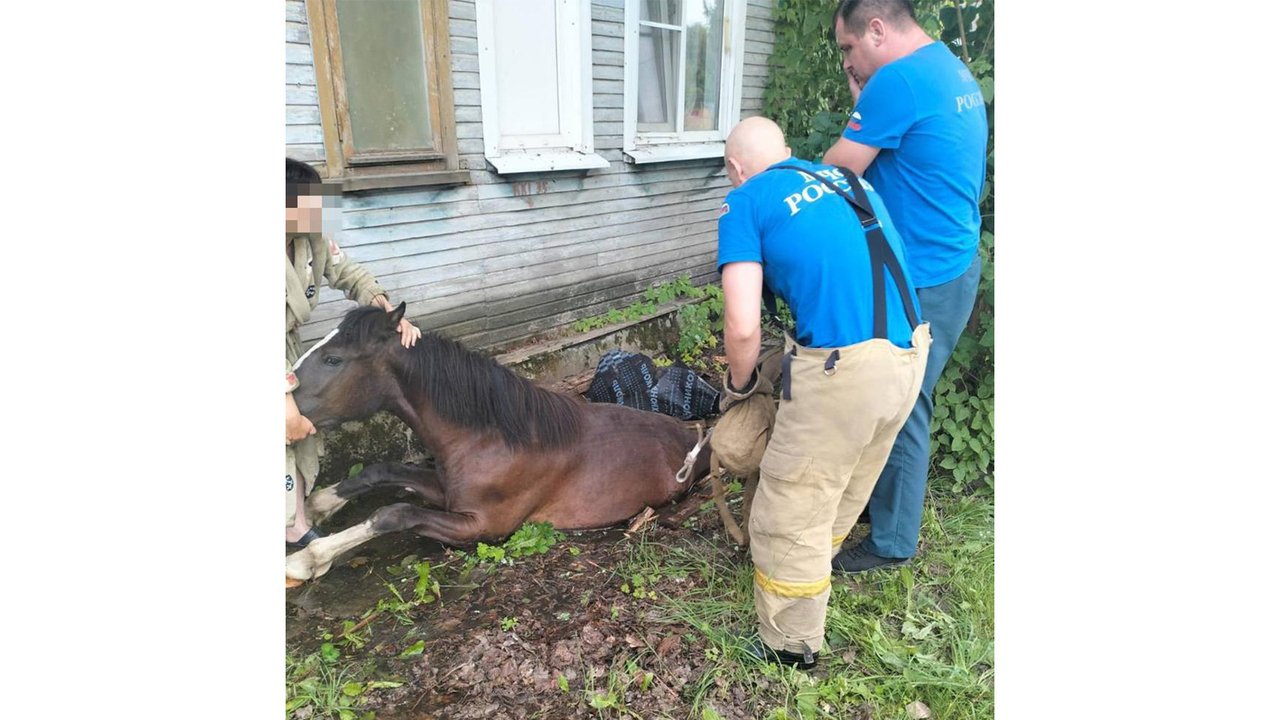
{"type": "Point", "coordinates": [631, 379]}
{"type": "Point", "coordinates": [623, 378]}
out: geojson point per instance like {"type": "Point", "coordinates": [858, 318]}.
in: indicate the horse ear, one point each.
{"type": "Point", "coordinates": [397, 314]}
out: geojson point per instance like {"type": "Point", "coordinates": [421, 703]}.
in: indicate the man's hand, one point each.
{"type": "Point", "coordinates": [855, 85]}
{"type": "Point", "coordinates": [296, 425]}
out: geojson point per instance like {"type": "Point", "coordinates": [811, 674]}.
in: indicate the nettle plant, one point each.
{"type": "Point", "coordinates": [808, 96]}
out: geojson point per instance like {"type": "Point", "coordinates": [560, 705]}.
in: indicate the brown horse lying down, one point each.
{"type": "Point", "coordinates": [506, 450]}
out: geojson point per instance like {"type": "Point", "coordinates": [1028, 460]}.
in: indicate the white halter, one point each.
{"type": "Point", "coordinates": [323, 340]}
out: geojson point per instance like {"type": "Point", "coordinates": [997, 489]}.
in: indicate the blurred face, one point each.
{"type": "Point", "coordinates": [307, 217]}
{"type": "Point", "coordinates": [859, 54]}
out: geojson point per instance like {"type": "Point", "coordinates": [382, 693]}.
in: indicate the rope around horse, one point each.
{"type": "Point", "coordinates": [692, 457]}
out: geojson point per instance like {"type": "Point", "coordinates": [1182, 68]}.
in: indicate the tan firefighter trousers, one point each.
{"type": "Point", "coordinates": [829, 444]}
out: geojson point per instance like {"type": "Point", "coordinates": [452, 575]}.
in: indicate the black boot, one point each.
{"type": "Point", "coordinates": [856, 559]}
{"type": "Point", "coordinates": [762, 652]}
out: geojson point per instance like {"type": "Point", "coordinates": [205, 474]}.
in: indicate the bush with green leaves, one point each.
{"type": "Point", "coordinates": [808, 96]}
{"type": "Point", "coordinates": [656, 295]}
{"type": "Point", "coordinates": [701, 323]}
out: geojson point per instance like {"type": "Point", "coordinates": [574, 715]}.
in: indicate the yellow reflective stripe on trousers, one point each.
{"type": "Point", "coordinates": [792, 589]}
{"type": "Point", "coordinates": [838, 541]}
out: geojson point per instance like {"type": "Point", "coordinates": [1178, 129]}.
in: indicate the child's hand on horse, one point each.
{"type": "Point", "coordinates": [296, 425]}
{"type": "Point", "coordinates": [409, 333]}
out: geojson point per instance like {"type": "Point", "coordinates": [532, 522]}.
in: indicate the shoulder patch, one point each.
{"type": "Point", "coordinates": [724, 209]}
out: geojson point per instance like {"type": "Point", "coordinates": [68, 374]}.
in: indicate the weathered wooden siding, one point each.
{"type": "Point", "coordinates": [303, 135]}
{"type": "Point", "coordinates": [755, 68]}
{"type": "Point", "coordinates": [505, 257]}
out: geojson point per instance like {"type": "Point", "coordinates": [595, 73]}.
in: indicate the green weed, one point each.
{"type": "Point", "coordinates": [531, 539]}
{"type": "Point", "coordinates": [623, 680]}
{"type": "Point", "coordinates": [319, 686]}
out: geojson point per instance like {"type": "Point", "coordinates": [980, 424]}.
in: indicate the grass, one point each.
{"type": "Point", "coordinates": [320, 685]}
{"type": "Point", "coordinates": [896, 638]}
{"type": "Point", "coordinates": [917, 634]}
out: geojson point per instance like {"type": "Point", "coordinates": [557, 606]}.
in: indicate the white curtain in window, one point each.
{"type": "Point", "coordinates": [658, 67]}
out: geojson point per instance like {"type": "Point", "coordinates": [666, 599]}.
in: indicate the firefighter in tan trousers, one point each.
{"type": "Point", "coordinates": [823, 242]}
{"type": "Point", "coordinates": [309, 259]}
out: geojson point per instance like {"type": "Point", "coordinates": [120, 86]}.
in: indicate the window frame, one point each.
{"type": "Point", "coordinates": [574, 147]}
{"type": "Point", "coordinates": [439, 165]}
{"type": "Point", "coordinates": [645, 147]}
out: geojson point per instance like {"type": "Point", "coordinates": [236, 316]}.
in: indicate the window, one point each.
{"type": "Point", "coordinates": [385, 91]}
{"type": "Point", "coordinates": [535, 84]}
{"type": "Point", "coordinates": [683, 70]}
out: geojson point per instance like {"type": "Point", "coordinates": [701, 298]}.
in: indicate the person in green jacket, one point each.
{"type": "Point", "coordinates": [311, 258]}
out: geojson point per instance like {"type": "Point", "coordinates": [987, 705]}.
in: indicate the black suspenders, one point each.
{"type": "Point", "coordinates": [882, 257]}
{"type": "Point", "coordinates": [882, 260]}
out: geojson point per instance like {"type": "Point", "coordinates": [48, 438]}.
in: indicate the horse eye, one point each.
{"type": "Point", "coordinates": [332, 360]}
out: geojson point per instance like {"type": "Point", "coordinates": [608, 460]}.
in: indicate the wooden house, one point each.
{"type": "Point", "coordinates": [510, 166]}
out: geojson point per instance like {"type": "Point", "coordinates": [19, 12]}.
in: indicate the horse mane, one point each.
{"type": "Point", "coordinates": [473, 390]}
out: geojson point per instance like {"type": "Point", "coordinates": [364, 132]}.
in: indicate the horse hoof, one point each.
{"type": "Point", "coordinates": [291, 582]}
{"type": "Point", "coordinates": [299, 566]}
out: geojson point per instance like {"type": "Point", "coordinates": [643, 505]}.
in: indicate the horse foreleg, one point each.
{"type": "Point", "coordinates": [324, 502]}
{"type": "Point", "coordinates": [448, 527]}
{"type": "Point", "coordinates": [315, 559]}
{"type": "Point", "coordinates": [424, 482]}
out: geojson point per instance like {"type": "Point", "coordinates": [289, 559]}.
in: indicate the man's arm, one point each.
{"type": "Point", "coordinates": [742, 283]}
{"type": "Point", "coordinates": [853, 155]}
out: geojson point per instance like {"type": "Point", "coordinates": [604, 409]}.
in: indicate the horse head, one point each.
{"type": "Point", "coordinates": [350, 375]}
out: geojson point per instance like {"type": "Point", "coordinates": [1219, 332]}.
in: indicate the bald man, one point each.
{"type": "Point", "coordinates": [851, 372]}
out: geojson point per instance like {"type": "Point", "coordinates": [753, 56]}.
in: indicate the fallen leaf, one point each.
{"type": "Point", "coordinates": [669, 644]}
{"type": "Point", "coordinates": [633, 641]}
{"type": "Point", "coordinates": [919, 711]}
{"type": "Point", "coordinates": [591, 636]}
{"type": "Point", "coordinates": [563, 655]}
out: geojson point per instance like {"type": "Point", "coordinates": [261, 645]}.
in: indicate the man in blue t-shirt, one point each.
{"type": "Point", "coordinates": [851, 374]}
{"type": "Point", "coordinates": [918, 133]}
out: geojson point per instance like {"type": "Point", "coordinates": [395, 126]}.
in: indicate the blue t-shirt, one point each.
{"type": "Point", "coordinates": [814, 253]}
{"type": "Point", "coordinates": [926, 114]}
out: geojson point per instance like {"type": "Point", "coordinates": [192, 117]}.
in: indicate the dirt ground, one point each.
{"type": "Point", "coordinates": [572, 620]}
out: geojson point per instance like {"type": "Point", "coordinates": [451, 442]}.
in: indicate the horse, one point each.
{"type": "Point", "coordinates": [506, 451]}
